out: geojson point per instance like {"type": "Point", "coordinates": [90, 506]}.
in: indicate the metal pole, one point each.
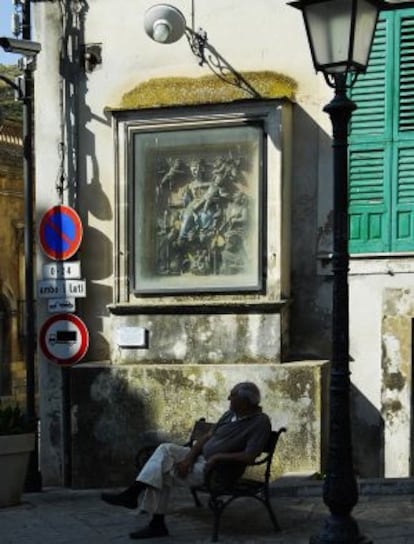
{"type": "Point", "coordinates": [340, 491]}
{"type": "Point", "coordinates": [33, 480]}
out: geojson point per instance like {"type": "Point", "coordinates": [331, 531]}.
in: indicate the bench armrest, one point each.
{"type": "Point", "coordinates": [223, 475]}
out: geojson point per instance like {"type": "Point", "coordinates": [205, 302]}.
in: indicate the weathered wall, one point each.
{"type": "Point", "coordinates": [381, 353]}
{"type": "Point", "coordinates": [207, 338]}
{"type": "Point", "coordinates": [95, 181]}
{"type": "Point", "coordinates": [117, 410]}
{"type": "Point", "coordinates": [397, 372]}
{"type": "Point", "coordinates": [12, 369]}
{"type": "Point", "coordinates": [130, 59]}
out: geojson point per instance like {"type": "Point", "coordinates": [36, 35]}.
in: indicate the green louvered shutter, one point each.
{"type": "Point", "coordinates": [369, 216]}
{"type": "Point", "coordinates": [403, 152]}
{"type": "Point", "coordinates": [370, 154]}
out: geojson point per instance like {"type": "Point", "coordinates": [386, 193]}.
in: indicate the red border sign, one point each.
{"type": "Point", "coordinates": [72, 339]}
{"type": "Point", "coordinates": [60, 232]}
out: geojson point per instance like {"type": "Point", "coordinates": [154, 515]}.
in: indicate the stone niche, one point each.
{"type": "Point", "coordinates": [116, 409]}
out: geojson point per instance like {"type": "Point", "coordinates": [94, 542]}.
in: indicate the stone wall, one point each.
{"type": "Point", "coordinates": [118, 409]}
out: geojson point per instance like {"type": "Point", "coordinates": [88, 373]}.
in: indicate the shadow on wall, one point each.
{"type": "Point", "coordinates": [83, 182]}
{"type": "Point", "coordinates": [367, 436]}
{"type": "Point", "coordinates": [312, 188]}
{"type": "Point", "coordinates": [115, 411]}
{"type": "Point", "coordinates": [311, 280]}
{"type": "Point", "coordinates": [108, 422]}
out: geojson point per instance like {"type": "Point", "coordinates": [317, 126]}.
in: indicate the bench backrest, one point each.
{"type": "Point", "coordinates": [201, 427]}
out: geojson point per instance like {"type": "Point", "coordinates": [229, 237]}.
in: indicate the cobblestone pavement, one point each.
{"type": "Point", "coordinates": [63, 516]}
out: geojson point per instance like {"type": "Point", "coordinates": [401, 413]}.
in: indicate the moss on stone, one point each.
{"type": "Point", "coordinates": [180, 91]}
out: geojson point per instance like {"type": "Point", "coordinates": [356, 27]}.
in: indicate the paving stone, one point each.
{"type": "Point", "coordinates": [65, 516]}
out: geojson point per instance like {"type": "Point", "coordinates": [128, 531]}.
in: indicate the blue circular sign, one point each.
{"type": "Point", "coordinates": [60, 232]}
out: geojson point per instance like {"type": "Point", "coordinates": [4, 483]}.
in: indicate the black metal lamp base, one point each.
{"type": "Point", "coordinates": [340, 530]}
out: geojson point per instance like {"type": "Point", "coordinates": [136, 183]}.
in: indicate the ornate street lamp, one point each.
{"type": "Point", "coordinates": [340, 34]}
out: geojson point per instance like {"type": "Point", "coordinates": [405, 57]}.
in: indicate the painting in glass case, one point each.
{"type": "Point", "coordinates": [197, 200]}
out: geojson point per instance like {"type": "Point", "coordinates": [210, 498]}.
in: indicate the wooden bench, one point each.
{"type": "Point", "coordinates": [228, 481]}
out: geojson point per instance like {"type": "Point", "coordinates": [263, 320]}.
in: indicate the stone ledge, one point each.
{"type": "Point", "coordinates": [180, 91]}
{"type": "Point", "coordinates": [305, 485]}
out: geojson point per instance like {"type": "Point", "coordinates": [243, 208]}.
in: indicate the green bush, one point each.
{"type": "Point", "coordinates": [12, 110]}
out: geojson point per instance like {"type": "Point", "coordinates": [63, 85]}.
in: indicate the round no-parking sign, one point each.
{"type": "Point", "coordinates": [60, 232]}
{"type": "Point", "coordinates": [64, 339]}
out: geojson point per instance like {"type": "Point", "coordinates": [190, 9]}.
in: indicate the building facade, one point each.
{"type": "Point", "coordinates": [203, 181]}
{"type": "Point", "coordinates": [12, 368]}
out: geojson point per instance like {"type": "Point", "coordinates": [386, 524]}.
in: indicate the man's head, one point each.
{"type": "Point", "coordinates": [244, 397]}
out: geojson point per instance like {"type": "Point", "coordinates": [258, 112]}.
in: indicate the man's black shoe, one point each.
{"type": "Point", "coordinates": [120, 499]}
{"type": "Point", "coordinates": [149, 532]}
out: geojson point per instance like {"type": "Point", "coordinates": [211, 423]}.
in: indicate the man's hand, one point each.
{"type": "Point", "coordinates": [183, 468]}
{"type": "Point", "coordinates": [212, 461]}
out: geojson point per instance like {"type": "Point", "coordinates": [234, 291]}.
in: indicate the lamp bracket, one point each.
{"type": "Point", "coordinates": [209, 56]}
{"type": "Point", "coordinates": [197, 41]}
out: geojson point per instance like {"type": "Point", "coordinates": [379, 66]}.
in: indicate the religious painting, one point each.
{"type": "Point", "coordinates": [197, 200]}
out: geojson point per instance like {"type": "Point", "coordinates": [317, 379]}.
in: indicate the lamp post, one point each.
{"type": "Point", "coordinates": [340, 34]}
{"type": "Point", "coordinates": [24, 92]}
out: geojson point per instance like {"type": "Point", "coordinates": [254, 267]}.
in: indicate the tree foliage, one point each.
{"type": "Point", "coordinates": [11, 109]}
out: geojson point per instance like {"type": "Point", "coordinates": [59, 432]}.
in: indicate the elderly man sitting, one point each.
{"type": "Point", "coordinates": [239, 435]}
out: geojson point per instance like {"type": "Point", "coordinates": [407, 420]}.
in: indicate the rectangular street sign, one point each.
{"type": "Point", "coordinates": [57, 305]}
{"type": "Point", "coordinates": [69, 270]}
{"type": "Point", "coordinates": [61, 289]}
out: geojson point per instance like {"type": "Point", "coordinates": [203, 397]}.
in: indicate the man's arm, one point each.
{"type": "Point", "coordinates": [257, 439]}
{"type": "Point", "coordinates": [246, 458]}
{"type": "Point", "coordinates": [185, 466]}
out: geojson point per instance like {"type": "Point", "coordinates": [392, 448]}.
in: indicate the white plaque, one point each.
{"type": "Point", "coordinates": [131, 337]}
{"type": "Point", "coordinates": [61, 289]}
{"type": "Point", "coordinates": [69, 270]}
{"type": "Point", "coordinates": [56, 305]}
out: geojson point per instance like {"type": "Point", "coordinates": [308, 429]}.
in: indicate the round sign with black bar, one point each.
{"type": "Point", "coordinates": [60, 232]}
{"type": "Point", "coordinates": [64, 339]}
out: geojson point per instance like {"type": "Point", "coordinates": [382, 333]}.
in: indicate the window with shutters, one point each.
{"type": "Point", "coordinates": [381, 151]}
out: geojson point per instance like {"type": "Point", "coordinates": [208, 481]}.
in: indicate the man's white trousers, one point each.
{"type": "Point", "coordinates": [159, 473]}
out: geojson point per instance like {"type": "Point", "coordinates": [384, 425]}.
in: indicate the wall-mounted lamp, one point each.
{"type": "Point", "coordinates": [166, 24]}
{"type": "Point", "coordinates": [92, 56]}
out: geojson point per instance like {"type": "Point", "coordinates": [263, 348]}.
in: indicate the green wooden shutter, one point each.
{"type": "Point", "coordinates": [369, 216]}
{"type": "Point", "coordinates": [369, 121]}
{"type": "Point", "coordinates": [369, 155]}
{"type": "Point", "coordinates": [403, 149]}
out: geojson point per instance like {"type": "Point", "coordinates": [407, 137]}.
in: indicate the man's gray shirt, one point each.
{"type": "Point", "coordinates": [247, 434]}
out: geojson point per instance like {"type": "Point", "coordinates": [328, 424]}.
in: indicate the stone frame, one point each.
{"type": "Point", "coordinates": [276, 118]}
